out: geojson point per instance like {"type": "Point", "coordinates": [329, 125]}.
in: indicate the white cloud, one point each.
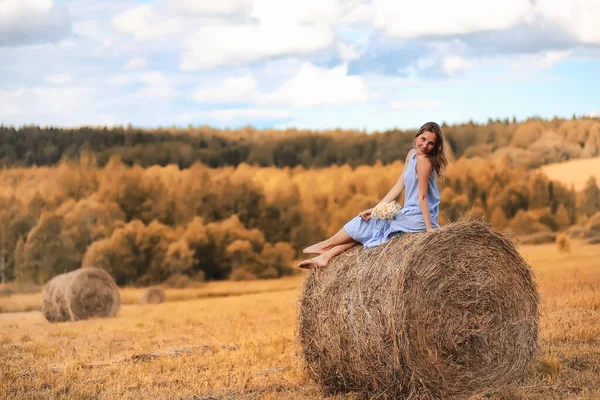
{"type": "Point", "coordinates": [414, 104]}
{"type": "Point", "coordinates": [277, 29]}
{"type": "Point", "coordinates": [211, 8]}
{"type": "Point", "coordinates": [310, 12]}
{"type": "Point", "coordinates": [455, 64]}
{"type": "Point", "coordinates": [32, 21]}
{"type": "Point", "coordinates": [593, 114]}
{"type": "Point", "coordinates": [539, 61]}
{"type": "Point", "coordinates": [43, 104]}
{"type": "Point", "coordinates": [233, 89]}
{"type": "Point", "coordinates": [357, 13]}
{"type": "Point", "coordinates": [156, 92]}
{"type": "Point", "coordinates": [121, 80]}
{"type": "Point", "coordinates": [236, 115]}
{"type": "Point", "coordinates": [145, 23]}
{"type": "Point", "coordinates": [13, 9]}
{"type": "Point", "coordinates": [314, 86]}
{"type": "Point", "coordinates": [348, 52]}
{"type": "Point", "coordinates": [439, 18]}
{"type": "Point", "coordinates": [552, 57]}
{"type": "Point", "coordinates": [262, 29]}
{"type": "Point", "coordinates": [90, 30]}
{"type": "Point", "coordinates": [230, 45]}
{"type": "Point", "coordinates": [66, 43]}
{"type": "Point", "coordinates": [135, 63]}
{"type": "Point", "coordinates": [157, 86]}
{"type": "Point", "coordinates": [153, 78]}
{"type": "Point", "coordinates": [58, 79]}
{"type": "Point", "coordinates": [579, 17]}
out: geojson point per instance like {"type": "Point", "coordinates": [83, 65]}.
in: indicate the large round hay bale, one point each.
{"type": "Point", "coordinates": [80, 294]}
{"type": "Point", "coordinates": [153, 295]}
{"type": "Point", "coordinates": [448, 313]}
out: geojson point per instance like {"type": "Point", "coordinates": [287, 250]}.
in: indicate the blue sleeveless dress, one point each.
{"type": "Point", "coordinates": [375, 231]}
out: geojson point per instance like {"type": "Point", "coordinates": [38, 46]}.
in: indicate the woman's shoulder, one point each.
{"type": "Point", "coordinates": [423, 162]}
{"type": "Point", "coordinates": [423, 158]}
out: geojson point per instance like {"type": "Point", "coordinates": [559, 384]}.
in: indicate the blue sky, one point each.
{"type": "Point", "coordinates": [315, 64]}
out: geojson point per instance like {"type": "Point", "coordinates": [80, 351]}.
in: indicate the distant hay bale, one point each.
{"type": "Point", "coordinates": [449, 313]}
{"type": "Point", "coordinates": [153, 295]}
{"type": "Point", "coordinates": [80, 294]}
{"type": "Point", "coordinates": [563, 243]}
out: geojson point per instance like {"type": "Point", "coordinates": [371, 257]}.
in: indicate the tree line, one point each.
{"type": "Point", "coordinates": [533, 142]}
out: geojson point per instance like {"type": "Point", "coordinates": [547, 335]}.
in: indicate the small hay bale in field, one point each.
{"type": "Point", "coordinates": [153, 295]}
{"type": "Point", "coordinates": [563, 243]}
{"type": "Point", "coordinates": [80, 294]}
{"type": "Point", "coordinates": [449, 313]}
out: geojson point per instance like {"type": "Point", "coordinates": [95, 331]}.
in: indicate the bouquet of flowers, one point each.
{"type": "Point", "coordinates": [386, 210]}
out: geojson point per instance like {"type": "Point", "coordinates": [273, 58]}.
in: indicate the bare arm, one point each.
{"type": "Point", "coordinates": [398, 186]}
{"type": "Point", "coordinates": [423, 172]}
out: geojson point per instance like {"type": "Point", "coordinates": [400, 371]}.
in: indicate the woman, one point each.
{"type": "Point", "coordinates": [421, 202]}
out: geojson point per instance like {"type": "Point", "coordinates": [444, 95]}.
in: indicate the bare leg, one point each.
{"type": "Point", "coordinates": [323, 259]}
{"type": "Point", "coordinates": [341, 237]}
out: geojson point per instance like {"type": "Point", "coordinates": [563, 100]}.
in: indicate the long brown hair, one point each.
{"type": "Point", "coordinates": [437, 157]}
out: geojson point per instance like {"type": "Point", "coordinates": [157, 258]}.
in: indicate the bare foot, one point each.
{"type": "Point", "coordinates": [317, 248]}
{"type": "Point", "coordinates": [319, 261]}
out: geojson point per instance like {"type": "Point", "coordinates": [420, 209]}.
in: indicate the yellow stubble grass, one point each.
{"type": "Point", "coordinates": [575, 172]}
{"type": "Point", "coordinates": [243, 346]}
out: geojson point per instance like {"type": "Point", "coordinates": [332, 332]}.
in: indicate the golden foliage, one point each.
{"type": "Point", "coordinates": [142, 224]}
{"type": "Point", "coordinates": [527, 133]}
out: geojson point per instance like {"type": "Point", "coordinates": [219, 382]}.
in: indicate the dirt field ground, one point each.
{"type": "Point", "coordinates": [243, 346]}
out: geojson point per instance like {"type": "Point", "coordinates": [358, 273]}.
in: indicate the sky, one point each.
{"type": "Point", "coordinates": [313, 64]}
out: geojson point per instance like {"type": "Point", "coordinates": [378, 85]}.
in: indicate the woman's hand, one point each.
{"type": "Point", "coordinates": [366, 214]}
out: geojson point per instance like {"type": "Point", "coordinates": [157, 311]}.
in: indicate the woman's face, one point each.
{"type": "Point", "coordinates": [425, 142]}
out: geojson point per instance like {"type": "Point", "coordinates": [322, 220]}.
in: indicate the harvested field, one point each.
{"type": "Point", "coordinates": [245, 347]}
{"type": "Point", "coordinates": [575, 172]}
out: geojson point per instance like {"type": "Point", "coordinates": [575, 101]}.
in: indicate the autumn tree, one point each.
{"type": "Point", "coordinates": [562, 217]}
{"type": "Point", "coordinates": [47, 251]}
{"type": "Point", "coordinates": [179, 258]}
{"type": "Point", "coordinates": [539, 195]}
{"type": "Point", "coordinates": [498, 219]}
{"type": "Point", "coordinates": [591, 197]}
